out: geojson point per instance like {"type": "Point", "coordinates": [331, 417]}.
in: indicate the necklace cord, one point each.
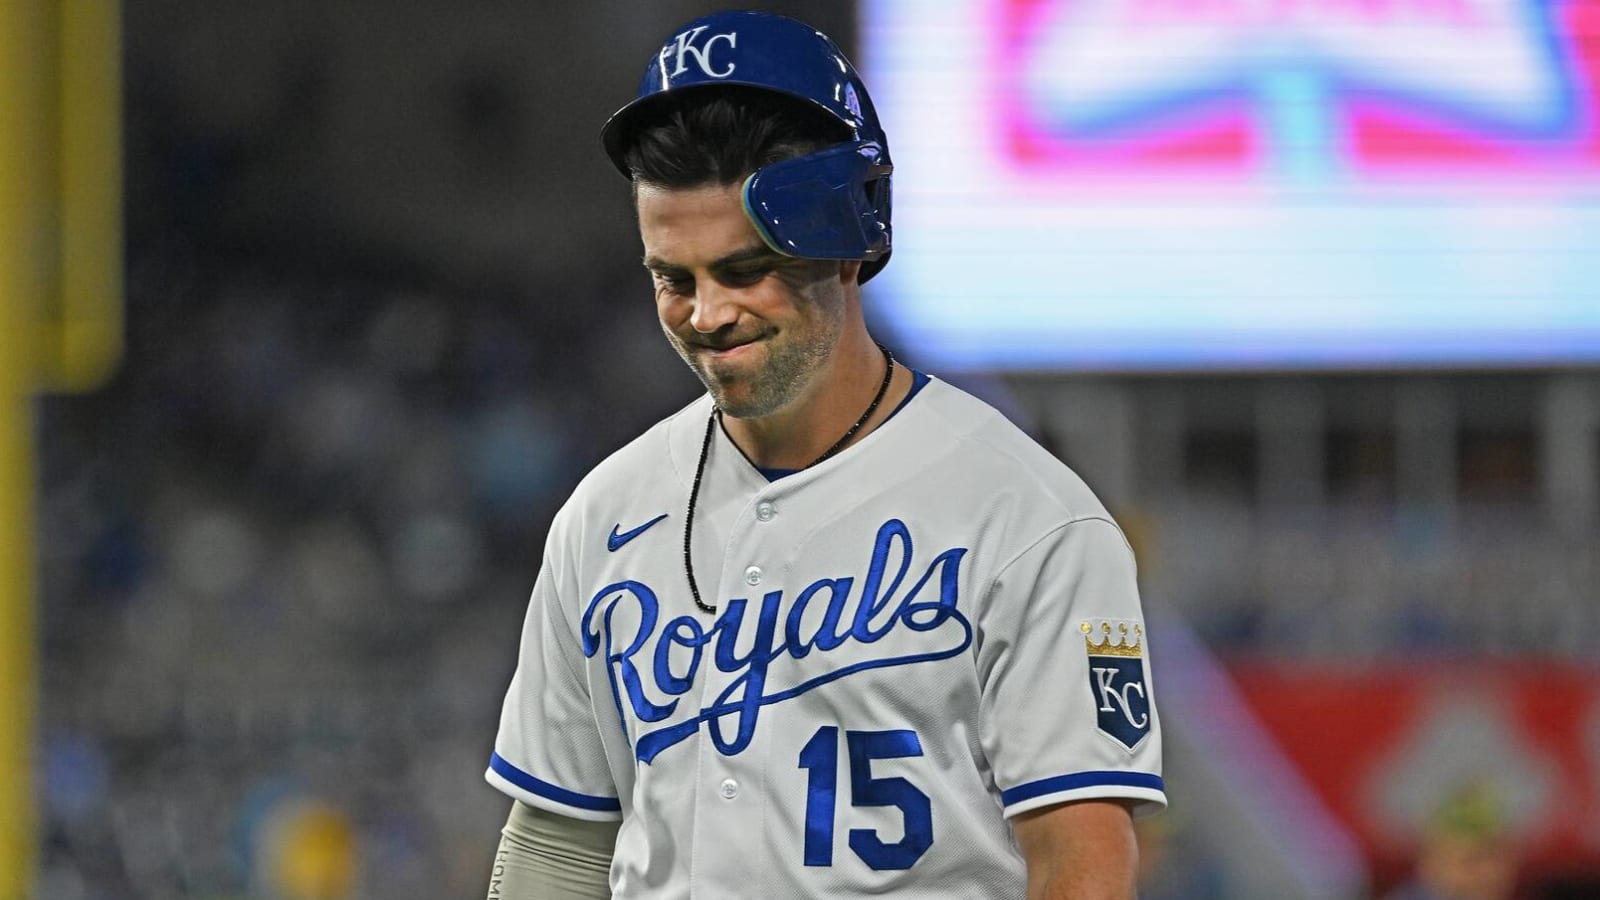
{"type": "Point", "coordinates": [705, 448]}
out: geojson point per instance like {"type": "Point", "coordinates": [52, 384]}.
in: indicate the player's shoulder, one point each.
{"type": "Point", "coordinates": [995, 453]}
{"type": "Point", "coordinates": [641, 463]}
{"type": "Point", "coordinates": [653, 469]}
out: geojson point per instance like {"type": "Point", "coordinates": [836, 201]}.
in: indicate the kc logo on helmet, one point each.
{"type": "Point", "coordinates": [1116, 679]}
{"type": "Point", "coordinates": [684, 49]}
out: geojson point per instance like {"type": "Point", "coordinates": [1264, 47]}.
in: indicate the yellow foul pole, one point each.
{"type": "Point", "coordinates": [26, 258]}
{"type": "Point", "coordinates": [18, 647]}
{"type": "Point", "coordinates": [60, 322]}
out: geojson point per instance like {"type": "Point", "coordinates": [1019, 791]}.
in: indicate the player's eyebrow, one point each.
{"type": "Point", "coordinates": [742, 255]}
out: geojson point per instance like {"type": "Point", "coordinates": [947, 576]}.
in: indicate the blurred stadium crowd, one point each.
{"type": "Point", "coordinates": [1370, 584]}
{"type": "Point", "coordinates": [283, 559]}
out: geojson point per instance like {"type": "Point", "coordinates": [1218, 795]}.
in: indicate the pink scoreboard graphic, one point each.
{"type": "Point", "coordinates": [1167, 185]}
{"type": "Point", "coordinates": [1376, 88]}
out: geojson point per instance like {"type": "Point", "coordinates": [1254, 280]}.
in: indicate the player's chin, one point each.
{"type": "Point", "coordinates": [738, 394]}
{"type": "Point", "coordinates": [741, 403]}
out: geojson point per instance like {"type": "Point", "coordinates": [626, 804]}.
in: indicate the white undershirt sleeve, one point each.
{"type": "Point", "coordinates": [548, 856]}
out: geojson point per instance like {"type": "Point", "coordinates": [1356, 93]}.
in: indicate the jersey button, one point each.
{"type": "Point", "coordinates": [765, 511]}
{"type": "Point", "coordinates": [729, 789]}
{"type": "Point", "coordinates": [752, 576]}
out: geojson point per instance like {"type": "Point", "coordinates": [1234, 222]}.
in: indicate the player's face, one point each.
{"type": "Point", "coordinates": [757, 327]}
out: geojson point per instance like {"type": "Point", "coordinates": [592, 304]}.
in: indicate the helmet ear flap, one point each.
{"type": "Point", "coordinates": [881, 192]}
{"type": "Point", "coordinates": [747, 50]}
{"type": "Point", "coordinates": [832, 204]}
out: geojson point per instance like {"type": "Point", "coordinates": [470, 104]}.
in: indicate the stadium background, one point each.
{"type": "Point", "coordinates": [380, 316]}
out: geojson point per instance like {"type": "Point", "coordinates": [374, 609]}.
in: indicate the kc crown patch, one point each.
{"type": "Point", "coordinates": [1116, 678]}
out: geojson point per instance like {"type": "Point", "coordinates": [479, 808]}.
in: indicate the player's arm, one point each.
{"type": "Point", "coordinates": [1079, 851]}
{"type": "Point", "coordinates": [549, 756]}
{"type": "Point", "coordinates": [546, 856]}
{"type": "Point", "coordinates": [1071, 763]}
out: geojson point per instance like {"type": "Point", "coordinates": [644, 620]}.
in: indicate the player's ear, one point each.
{"type": "Point", "coordinates": [849, 271]}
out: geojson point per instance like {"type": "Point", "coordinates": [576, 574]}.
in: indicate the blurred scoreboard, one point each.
{"type": "Point", "coordinates": [1241, 184]}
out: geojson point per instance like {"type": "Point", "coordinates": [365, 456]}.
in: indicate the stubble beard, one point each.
{"type": "Point", "coordinates": [792, 360]}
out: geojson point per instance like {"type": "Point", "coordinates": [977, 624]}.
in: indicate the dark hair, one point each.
{"type": "Point", "coordinates": [720, 136]}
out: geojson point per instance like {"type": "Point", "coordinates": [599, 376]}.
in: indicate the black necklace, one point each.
{"type": "Point", "coordinates": [705, 448]}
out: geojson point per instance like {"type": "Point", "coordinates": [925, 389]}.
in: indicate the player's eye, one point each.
{"type": "Point", "coordinates": [746, 275]}
{"type": "Point", "coordinates": [675, 285]}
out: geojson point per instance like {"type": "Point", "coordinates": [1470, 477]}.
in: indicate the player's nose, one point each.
{"type": "Point", "coordinates": [715, 306]}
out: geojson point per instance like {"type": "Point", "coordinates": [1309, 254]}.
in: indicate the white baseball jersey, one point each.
{"type": "Point", "coordinates": [934, 630]}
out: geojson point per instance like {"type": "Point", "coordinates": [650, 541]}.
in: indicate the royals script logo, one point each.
{"type": "Point", "coordinates": [683, 50]}
{"type": "Point", "coordinates": [830, 615]}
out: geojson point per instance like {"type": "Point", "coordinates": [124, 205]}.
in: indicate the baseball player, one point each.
{"type": "Point", "coordinates": [835, 628]}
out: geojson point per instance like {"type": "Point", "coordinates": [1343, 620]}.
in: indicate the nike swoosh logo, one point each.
{"type": "Point", "coordinates": [614, 541]}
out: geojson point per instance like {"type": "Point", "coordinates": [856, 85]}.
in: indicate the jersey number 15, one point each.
{"type": "Point", "coordinates": [820, 757]}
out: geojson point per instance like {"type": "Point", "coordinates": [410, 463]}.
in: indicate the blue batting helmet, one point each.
{"type": "Point", "coordinates": [832, 204]}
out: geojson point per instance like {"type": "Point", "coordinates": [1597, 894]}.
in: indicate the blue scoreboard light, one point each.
{"type": "Point", "coordinates": [1241, 184]}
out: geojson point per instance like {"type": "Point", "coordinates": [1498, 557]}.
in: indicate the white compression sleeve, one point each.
{"type": "Point", "coordinates": [545, 856]}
